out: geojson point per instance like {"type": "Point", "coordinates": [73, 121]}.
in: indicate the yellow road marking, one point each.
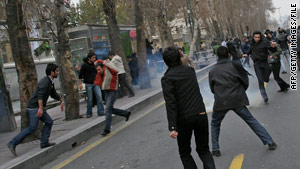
{"type": "Point", "coordinates": [237, 162]}
{"type": "Point", "coordinates": [102, 139]}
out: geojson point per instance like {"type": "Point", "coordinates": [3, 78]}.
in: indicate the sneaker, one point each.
{"type": "Point", "coordinates": [105, 132]}
{"type": "Point", "coordinates": [88, 116]}
{"type": "Point", "coordinates": [131, 95]}
{"type": "Point", "coordinates": [272, 146]}
{"type": "Point", "coordinates": [216, 153]}
{"type": "Point", "coordinates": [283, 90]}
{"type": "Point", "coordinates": [49, 144]}
{"type": "Point", "coordinates": [284, 72]}
{"type": "Point", "coordinates": [101, 114]}
{"type": "Point", "coordinates": [266, 100]}
{"type": "Point", "coordinates": [12, 149]}
{"type": "Point", "coordinates": [128, 115]}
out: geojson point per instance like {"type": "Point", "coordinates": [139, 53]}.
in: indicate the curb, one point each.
{"type": "Point", "coordinates": [38, 157]}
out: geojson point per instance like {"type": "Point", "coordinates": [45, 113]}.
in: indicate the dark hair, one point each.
{"type": "Point", "coordinates": [90, 54]}
{"type": "Point", "coordinates": [231, 48]}
{"type": "Point", "coordinates": [257, 32]}
{"type": "Point", "coordinates": [223, 52]}
{"type": "Point", "coordinates": [51, 67]}
{"type": "Point", "coordinates": [171, 56]}
{"type": "Point", "coordinates": [100, 64]}
{"type": "Point", "coordinates": [111, 53]}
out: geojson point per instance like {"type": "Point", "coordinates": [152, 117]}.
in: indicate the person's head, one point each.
{"type": "Point", "coordinates": [52, 70]}
{"type": "Point", "coordinates": [91, 57]}
{"type": "Point", "coordinates": [223, 52]}
{"type": "Point", "coordinates": [257, 36]}
{"type": "Point", "coordinates": [180, 50]}
{"type": "Point", "coordinates": [171, 56]}
{"type": "Point", "coordinates": [268, 34]}
{"type": "Point", "coordinates": [246, 39]}
{"type": "Point", "coordinates": [231, 47]}
{"type": "Point", "coordinates": [281, 31]}
{"type": "Point", "coordinates": [99, 67]}
{"type": "Point", "coordinates": [111, 54]}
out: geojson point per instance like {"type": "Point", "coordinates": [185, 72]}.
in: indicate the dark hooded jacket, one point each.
{"type": "Point", "coordinates": [260, 51]}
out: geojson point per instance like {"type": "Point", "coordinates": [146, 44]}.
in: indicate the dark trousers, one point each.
{"type": "Point", "coordinates": [123, 83]}
{"type": "Point", "coordinates": [276, 70]}
{"type": "Point", "coordinates": [244, 113]}
{"type": "Point", "coordinates": [199, 125]}
{"type": "Point", "coordinates": [110, 98]}
{"type": "Point", "coordinates": [33, 124]}
{"type": "Point", "coordinates": [262, 71]}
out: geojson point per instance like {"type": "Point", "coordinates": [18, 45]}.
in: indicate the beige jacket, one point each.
{"type": "Point", "coordinates": [117, 61]}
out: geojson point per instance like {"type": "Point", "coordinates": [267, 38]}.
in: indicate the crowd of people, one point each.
{"type": "Point", "coordinates": [228, 81]}
{"type": "Point", "coordinates": [186, 113]}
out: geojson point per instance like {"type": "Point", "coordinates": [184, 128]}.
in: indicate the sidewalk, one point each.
{"type": "Point", "coordinates": [68, 134]}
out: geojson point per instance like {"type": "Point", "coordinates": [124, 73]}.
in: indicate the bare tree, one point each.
{"type": "Point", "coordinates": [64, 59]}
{"type": "Point", "coordinates": [114, 33]}
{"type": "Point", "coordinates": [27, 75]}
{"type": "Point", "coordinates": [144, 76]}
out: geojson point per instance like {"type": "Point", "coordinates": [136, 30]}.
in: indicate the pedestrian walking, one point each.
{"type": "Point", "coordinates": [185, 110]}
{"type": "Point", "coordinates": [117, 61]}
{"type": "Point", "coordinates": [283, 40]}
{"type": "Point", "coordinates": [235, 54]}
{"type": "Point", "coordinates": [259, 51]}
{"type": "Point", "coordinates": [36, 110]}
{"type": "Point", "coordinates": [274, 63]}
{"type": "Point", "coordinates": [245, 49]}
{"type": "Point", "coordinates": [228, 82]}
{"type": "Point", "coordinates": [110, 87]}
{"type": "Point", "coordinates": [88, 74]}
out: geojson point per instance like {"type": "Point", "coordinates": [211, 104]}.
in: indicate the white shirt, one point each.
{"type": "Point", "coordinates": [117, 61]}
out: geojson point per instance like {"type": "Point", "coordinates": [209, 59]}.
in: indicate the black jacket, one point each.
{"type": "Point", "coordinates": [88, 73]}
{"type": "Point", "coordinates": [44, 89]}
{"type": "Point", "coordinates": [182, 94]}
{"type": "Point", "coordinates": [259, 51]}
{"type": "Point", "coordinates": [283, 41]}
{"type": "Point", "coordinates": [228, 82]}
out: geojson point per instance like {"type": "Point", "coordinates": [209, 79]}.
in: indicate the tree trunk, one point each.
{"type": "Point", "coordinates": [212, 10]}
{"type": "Point", "coordinates": [164, 30]}
{"type": "Point", "coordinates": [114, 34]}
{"type": "Point", "coordinates": [7, 122]}
{"type": "Point", "coordinates": [27, 76]}
{"type": "Point", "coordinates": [194, 40]}
{"type": "Point", "coordinates": [144, 76]}
{"type": "Point", "coordinates": [64, 60]}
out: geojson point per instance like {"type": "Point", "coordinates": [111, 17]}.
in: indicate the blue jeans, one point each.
{"type": "Point", "coordinates": [33, 124]}
{"type": "Point", "coordinates": [110, 98]}
{"type": "Point", "coordinates": [262, 71]}
{"type": "Point", "coordinates": [244, 113]}
{"type": "Point", "coordinates": [90, 90]}
{"type": "Point", "coordinates": [285, 54]}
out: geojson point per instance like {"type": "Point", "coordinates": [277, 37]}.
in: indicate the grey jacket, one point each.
{"type": "Point", "coordinates": [228, 82]}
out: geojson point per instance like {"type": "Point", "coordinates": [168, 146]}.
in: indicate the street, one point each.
{"type": "Point", "coordinates": [144, 142]}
